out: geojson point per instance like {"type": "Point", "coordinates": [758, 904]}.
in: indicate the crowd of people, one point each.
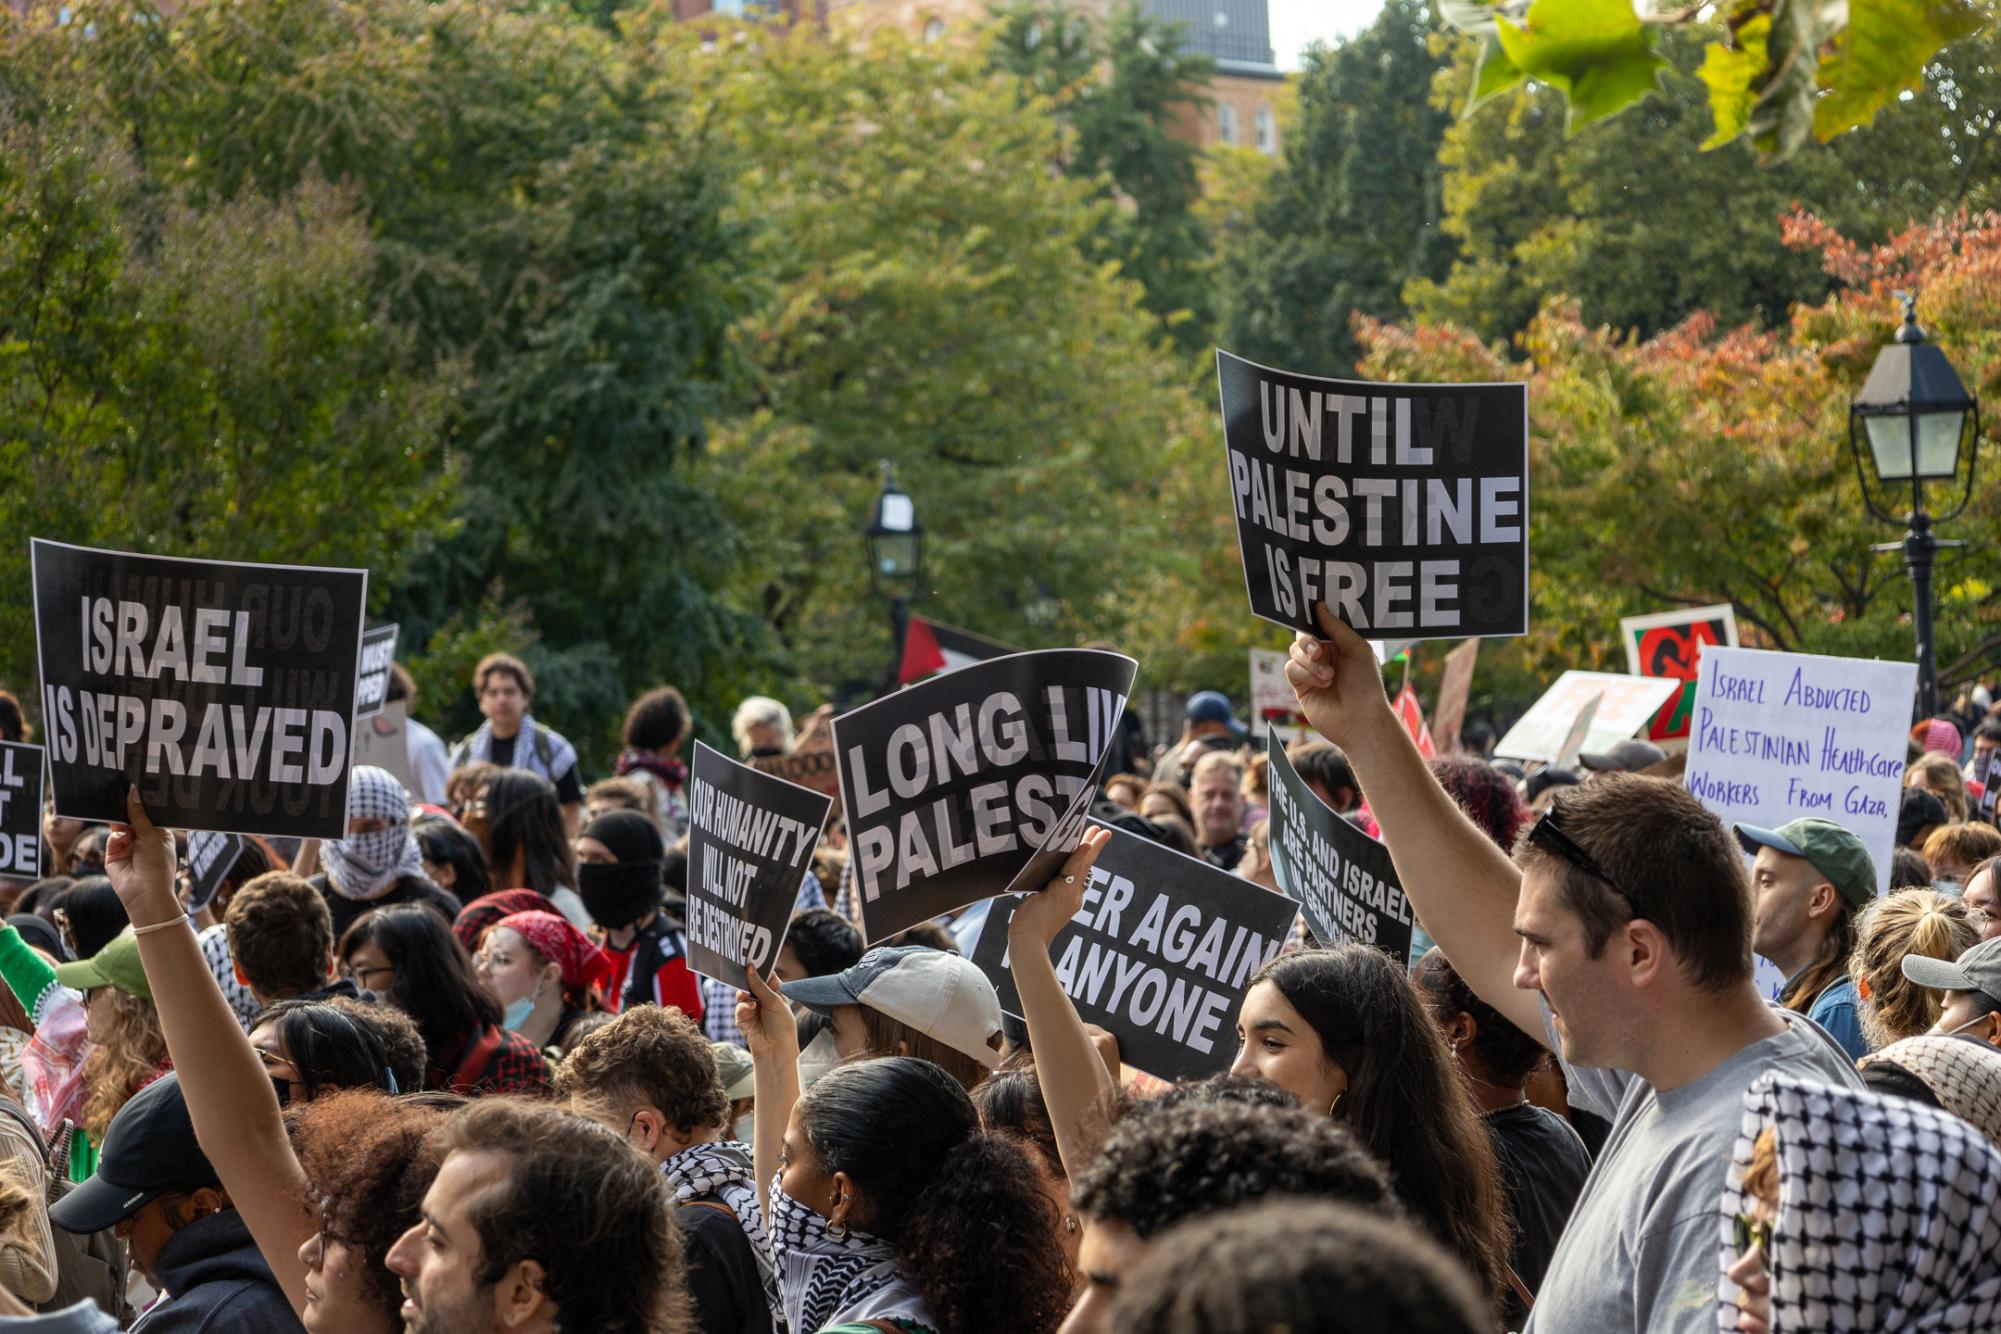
{"type": "Point", "coordinates": [453, 1072]}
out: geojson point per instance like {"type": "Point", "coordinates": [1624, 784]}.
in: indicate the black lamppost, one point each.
{"type": "Point", "coordinates": [896, 560]}
{"type": "Point", "coordinates": [1918, 420]}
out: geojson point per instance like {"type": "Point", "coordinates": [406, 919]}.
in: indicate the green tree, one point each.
{"type": "Point", "coordinates": [1353, 214]}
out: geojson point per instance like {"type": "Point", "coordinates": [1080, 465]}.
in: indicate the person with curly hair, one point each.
{"type": "Point", "coordinates": [127, 1049]}
{"type": "Point", "coordinates": [886, 1204]}
{"type": "Point", "coordinates": [656, 726]}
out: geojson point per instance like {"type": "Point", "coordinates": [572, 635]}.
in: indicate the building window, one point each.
{"type": "Point", "coordinates": [1226, 122]}
{"type": "Point", "coordinates": [933, 29]}
{"type": "Point", "coordinates": [1267, 132]}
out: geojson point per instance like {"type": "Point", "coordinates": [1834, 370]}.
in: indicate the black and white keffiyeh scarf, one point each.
{"type": "Point", "coordinates": [1887, 1213]}
{"type": "Point", "coordinates": [822, 1277]}
{"type": "Point", "coordinates": [725, 1171]}
{"type": "Point", "coordinates": [364, 867]}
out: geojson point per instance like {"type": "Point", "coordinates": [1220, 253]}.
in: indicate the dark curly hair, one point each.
{"type": "Point", "coordinates": [1249, 1090]}
{"type": "Point", "coordinates": [1166, 1162]}
{"type": "Point", "coordinates": [1485, 794]}
{"type": "Point", "coordinates": [1404, 1099]}
{"type": "Point", "coordinates": [825, 942]}
{"type": "Point", "coordinates": [1010, 1103]}
{"type": "Point", "coordinates": [971, 1231]}
{"type": "Point", "coordinates": [370, 1158]}
{"type": "Point", "coordinates": [657, 720]}
{"type": "Point", "coordinates": [280, 935]}
{"type": "Point", "coordinates": [650, 1056]}
{"type": "Point", "coordinates": [1297, 1265]}
{"type": "Point", "coordinates": [1509, 1054]}
{"type": "Point", "coordinates": [402, 1045]}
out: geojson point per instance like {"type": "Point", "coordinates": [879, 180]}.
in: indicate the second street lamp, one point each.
{"type": "Point", "coordinates": [896, 560]}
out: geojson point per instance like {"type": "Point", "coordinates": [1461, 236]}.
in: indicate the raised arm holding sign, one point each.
{"type": "Point", "coordinates": [750, 846]}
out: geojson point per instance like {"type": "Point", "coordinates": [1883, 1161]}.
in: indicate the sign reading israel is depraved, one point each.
{"type": "Point", "coordinates": [1402, 507]}
{"type": "Point", "coordinates": [211, 857]}
{"type": "Point", "coordinates": [1343, 879]}
{"type": "Point", "coordinates": [1625, 704]}
{"type": "Point", "coordinates": [952, 786]}
{"type": "Point", "coordinates": [750, 846]}
{"type": "Point", "coordinates": [225, 691]}
{"type": "Point", "coordinates": [1780, 735]}
{"type": "Point", "coordinates": [378, 651]}
{"type": "Point", "coordinates": [1158, 955]}
{"type": "Point", "coordinates": [20, 810]}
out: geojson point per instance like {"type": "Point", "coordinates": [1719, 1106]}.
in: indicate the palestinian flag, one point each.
{"type": "Point", "coordinates": [930, 648]}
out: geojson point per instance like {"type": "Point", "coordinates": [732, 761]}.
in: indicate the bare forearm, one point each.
{"type": "Point", "coordinates": [1076, 1087]}
{"type": "Point", "coordinates": [777, 1084]}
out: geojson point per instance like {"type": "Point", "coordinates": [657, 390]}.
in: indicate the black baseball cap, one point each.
{"type": "Point", "coordinates": [149, 1149]}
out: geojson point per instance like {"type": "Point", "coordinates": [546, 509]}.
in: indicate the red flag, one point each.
{"type": "Point", "coordinates": [929, 647]}
{"type": "Point", "coordinates": [1412, 717]}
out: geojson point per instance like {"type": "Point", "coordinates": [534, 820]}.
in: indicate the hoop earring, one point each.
{"type": "Point", "coordinates": [1334, 1108]}
{"type": "Point", "coordinates": [837, 1231]}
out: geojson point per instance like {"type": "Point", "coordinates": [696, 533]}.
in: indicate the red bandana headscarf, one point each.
{"type": "Point", "coordinates": [584, 965]}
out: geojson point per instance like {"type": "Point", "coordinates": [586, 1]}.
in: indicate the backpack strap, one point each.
{"type": "Point", "coordinates": [1520, 1289]}
{"type": "Point", "coordinates": [466, 1073]}
{"type": "Point", "coordinates": [716, 1205]}
{"type": "Point", "coordinates": [545, 750]}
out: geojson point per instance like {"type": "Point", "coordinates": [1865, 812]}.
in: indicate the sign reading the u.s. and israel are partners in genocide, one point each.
{"type": "Point", "coordinates": [1343, 879]}
{"type": "Point", "coordinates": [378, 651]}
{"type": "Point", "coordinates": [225, 691]}
{"type": "Point", "coordinates": [1157, 956]}
{"type": "Point", "coordinates": [966, 782]}
{"type": "Point", "coordinates": [20, 810]}
{"type": "Point", "coordinates": [750, 847]}
{"type": "Point", "coordinates": [1402, 507]}
{"type": "Point", "coordinates": [1777, 736]}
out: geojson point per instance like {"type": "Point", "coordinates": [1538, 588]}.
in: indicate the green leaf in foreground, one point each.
{"type": "Point", "coordinates": [1883, 52]}
{"type": "Point", "coordinates": [1727, 72]}
{"type": "Point", "coordinates": [1596, 51]}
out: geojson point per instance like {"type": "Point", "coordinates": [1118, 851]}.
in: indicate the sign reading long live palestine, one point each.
{"type": "Point", "coordinates": [1402, 507]}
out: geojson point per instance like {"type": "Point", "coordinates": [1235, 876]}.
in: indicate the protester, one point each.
{"type": "Point", "coordinates": [1954, 1074]}
{"type": "Point", "coordinates": [86, 855]}
{"type": "Point", "coordinates": [396, 1032]}
{"type": "Point", "coordinates": [910, 1000]}
{"type": "Point", "coordinates": [1920, 922]}
{"type": "Point", "coordinates": [127, 1051]}
{"type": "Point", "coordinates": [1168, 801]}
{"type": "Point", "coordinates": [656, 726]}
{"type": "Point", "coordinates": [253, 858]}
{"type": "Point", "coordinates": [1302, 1266]}
{"type": "Point", "coordinates": [1255, 865]}
{"type": "Point", "coordinates": [546, 975]}
{"type": "Point", "coordinates": [1986, 737]}
{"type": "Point", "coordinates": [466, 787]}
{"type": "Point", "coordinates": [1660, 1032]}
{"type": "Point", "coordinates": [378, 863]}
{"type": "Point", "coordinates": [1954, 851]}
{"type": "Point", "coordinates": [1939, 775]}
{"type": "Point", "coordinates": [1970, 987]}
{"type": "Point", "coordinates": [617, 794]}
{"type": "Point", "coordinates": [281, 938]}
{"type": "Point", "coordinates": [90, 915]}
{"type": "Point", "coordinates": [1125, 790]}
{"type": "Point", "coordinates": [1543, 786]}
{"type": "Point", "coordinates": [1909, 870]}
{"type": "Point", "coordinates": [1983, 899]}
{"type": "Point", "coordinates": [1326, 772]}
{"type": "Point", "coordinates": [1216, 792]}
{"type": "Point", "coordinates": [762, 726]}
{"type": "Point", "coordinates": [470, 926]}
{"type": "Point", "coordinates": [251, 863]}
{"type": "Point", "coordinates": [1256, 789]}
{"type": "Point", "coordinates": [651, 1076]}
{"type": "Point", "coordinates": [1543, 1162]}
{"type": "Point", "coordinates": [453, 859]}
{"type": "Point", "coordinates": [818, 943]}
{"type": "Point", "coordinates": [30, 1264]}
{"type": "Point", "coordinates": [505, 688]}
{"type": "Point", "coordinates": [1629, 756]}
{"type": "Point", "coordinates": [620, 860]}
{"type": "Point", "coordinates": [1919, 813]}
{"type": "Point", "coordinates": [539, 1220]}
{"type": "Point", "coordinates": [313, 1047]}
{"type": "Point", "coordinates": [408, 956]}
{"type": "Point", "coordinates": [1010, 1104]}
{"type": "Point", "coordinates": [521, 827]}
{"type": "Point", "coordinates": [885, 1200]}
{"type": "Point", "coordinates": [53, 1089]}
{"type": "Point", "coordinates": [1810, 878]}
{"type": "Point", "coordinates": [60, 834]}
{"type": "Point", "coordinates": [1211, 726]}
{"type": "Point", "coordinates": [430, 766]}
{"type": "Point", "coordinates": [1342, 1030]}
{"type": "Point", "coordinates": [1897, 1231]}
{"type": "Point", "coordinates": [739, 1078]}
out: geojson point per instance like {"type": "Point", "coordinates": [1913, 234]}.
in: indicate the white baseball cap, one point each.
{"type": "Point", "coordinates": [943, 996]}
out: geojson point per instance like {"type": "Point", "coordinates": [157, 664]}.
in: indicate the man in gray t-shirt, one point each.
{"type": "Point", "coordinates": [1621, 936]}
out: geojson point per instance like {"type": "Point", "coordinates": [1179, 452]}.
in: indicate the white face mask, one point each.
{"type": "Point", "coordinates": [1936, 1032]}
{"type": "Point", "coordinates": [1955, 888]}
{"type": "Point", "coordinates": [745, 1127]}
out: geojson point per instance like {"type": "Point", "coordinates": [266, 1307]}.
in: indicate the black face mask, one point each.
{"type": "Point", "coordinates": [618, 894]}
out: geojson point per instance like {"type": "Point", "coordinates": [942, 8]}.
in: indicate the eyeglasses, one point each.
{"type": "Point", "coordinates": [1546, 833]}
{"type": "Point", "coordinates": [327, 1234]}
{"type": "Point", "coordinates": [1753, 1232]}
{"type": "Point", "coordinates": [359, 976]}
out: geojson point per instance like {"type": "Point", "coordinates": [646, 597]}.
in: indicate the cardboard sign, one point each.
{"type": "Point", "coordinates": [1342, 878]}
{"type": "Point", "coordinates": [1455, 687]}
{"type": "Point", "coordinates": [1669, 644]}
{"type": "Point", "coordinates": [1403, 507]}
{"type": "Point", "coordinates": [1573, 740]}
{"type": "Point", "coordinates": [1158, 955]}
{"type": "Point", "coordinates": [371, 691]}
{"type": "Point", "coordinates": [211, 857]}
{"type": "Point", "coordinates": [1782, 735]}
{"type": "Point", "coordinates": [813, 770]}
{"type": "Point", "coordinates": [750, 845]}
{"type": "Point", "coordinates": [954, 787]}
{"type": "Point", "coordinates": [1627, 703]}
{"type": "Point", "coordinates": [1274, 703]}
{"type": "Point", "coordinates": [225, 691]}
{"type": "Point", "coordinates": [20, 810]}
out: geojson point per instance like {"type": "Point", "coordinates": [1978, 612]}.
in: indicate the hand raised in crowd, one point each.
{"type": "Point", "coordinates": [139, 859]}
{"type": "Point", "coordinates": [1041, 916]}
{"type": "Point", "coordinates": [769, 1029]}
{"type": "Point", "coordinates": [1338, 680]}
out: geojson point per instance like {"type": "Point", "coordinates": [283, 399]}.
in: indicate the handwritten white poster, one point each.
{"type": "Point", "coordinates": [1625, 705]}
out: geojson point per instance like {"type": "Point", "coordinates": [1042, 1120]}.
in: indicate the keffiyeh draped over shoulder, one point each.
{"type": "Point", "coordinates": [1963, 1074]}
{"type": "Point", "coordinates": [1887, 1214]}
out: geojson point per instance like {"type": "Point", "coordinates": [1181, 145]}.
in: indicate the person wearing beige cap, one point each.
{"type": "Point", "coordinates": [1972, 987]}
{"type": "Point", "coordinates": [910, 1000]}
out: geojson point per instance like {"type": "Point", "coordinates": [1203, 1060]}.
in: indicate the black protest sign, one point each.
{"type": "Point", "coordinates": [1157, 956]}
{"type": "Point", "coordinates": [1342, 878]}
{"type": "Point", "coordinates": [953, 786]}
{"type": "Point", "coordinates": [1402, 507]}
{"type": "Point", "coordinates": [224, 691]}
{"type": "Point", "coordinates": [211, 857]}
{"type": "Point", "coordinates": [20, 810]}
{"type": "Point", "coordinates": [371, 690]}
{"type": "Point", "coordinates": [1990, 783]}
{"type": "Point", "coordinates": [750, 847]}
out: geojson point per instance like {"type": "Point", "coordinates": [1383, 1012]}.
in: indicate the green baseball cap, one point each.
{"type": "Point", "coordinates": [116, 965]}
{"type": "Point", "coordinates": [1834, 852]}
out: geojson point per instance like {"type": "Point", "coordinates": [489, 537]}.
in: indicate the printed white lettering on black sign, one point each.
{"type": "Point", "coordinates": [1402, 507]}
{"type": "Point", "coordinates": [224, 691]}
{"type": "Point", "coordinates": [211, 857]}
{"type": "Point", "coordinates": [20, 810]}
{"type": "Point", "coordinates": [371, 692]}
{"type": "Point", "coordinates": [1344, 880]}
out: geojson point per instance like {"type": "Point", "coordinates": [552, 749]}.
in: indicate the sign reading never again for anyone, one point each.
{"type": "Point", "coordinates": [1402, 507]}
{"type": "Point", "coordinates": [750, 847]}
{"type": "Point", "coordinates": [225, 691]}
{"type": "Point", "coordinates": [955, 785]}
{"type": "Point", "coordinates": [1158, 955]}
{"type": "Point", "coordinates": [1343, 879]}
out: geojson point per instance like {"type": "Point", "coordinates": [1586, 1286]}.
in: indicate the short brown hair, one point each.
{"type": "Point", "coordinates": [280, 935]}
{"type": "Point", "coordinates": [623, 794]}
{"type": "Point", "coordinates": [1962, 845]}
{"type": "Point", "coordinates": [583, 1204]}
{"type": "Point", "coordinates": [893, 1037]}
{"type": "Point", "coordinates": [503, 662]}
{"type": "Point", "coordinates": [1672, 863]}
{"type": "Point", "coordinates": [650, 1056]}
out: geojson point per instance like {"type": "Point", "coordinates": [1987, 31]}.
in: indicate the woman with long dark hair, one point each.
{"type": "Point", "coordinates": [885, 1201]}
{"type": "Point", "coordinates": [1342, 1030]}
{"type": "Point", "coordinates": [408, 955]}
{"type": "Point", "coordinates": [312, 1047]}
{"type": "Point", "coordinates": [520, 823]}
